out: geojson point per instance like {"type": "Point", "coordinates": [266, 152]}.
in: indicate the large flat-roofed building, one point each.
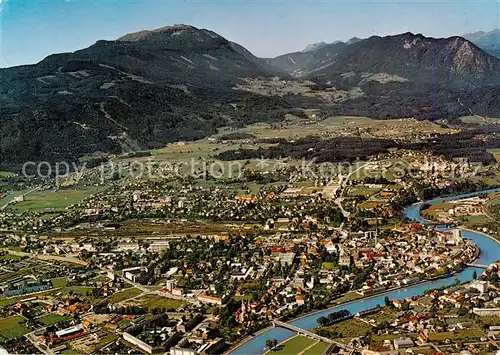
{"type": "Point", "coordinates": [486, 311]}
{"type": "Point", "coordinates": [181, 351]}
{"type": "Point", "coordinates": [142, 345]}
{"type": "Point", "coordinates": [69, 331]}
{"type": "Point", "coordinates": [403, 343]}
{"type": "Point", "coordinates": [203, 297]}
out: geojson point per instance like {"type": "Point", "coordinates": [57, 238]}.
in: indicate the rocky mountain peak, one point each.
{"type": "Point", "coordinates": [174, 31]}
{"type": "Point", "coordinates": [313, 47]}
{"type": "Point", "coordinates": [354, 40]}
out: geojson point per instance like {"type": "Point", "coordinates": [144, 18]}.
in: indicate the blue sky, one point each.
{"type": "Point", "coordinates": [33, 29]}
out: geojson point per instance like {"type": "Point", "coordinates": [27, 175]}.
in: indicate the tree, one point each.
{"type": "Point", "coordinates": [271, 343]}
{"type": "Point", "coordinates": [322, 321]}
{"type": "Point", "coordinates": [387, 301]}
{"type": "Point", "coordinates": [474, 274]}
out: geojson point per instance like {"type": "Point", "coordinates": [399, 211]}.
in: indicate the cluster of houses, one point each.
{"type": "Point", "coordinates": [460, 313]}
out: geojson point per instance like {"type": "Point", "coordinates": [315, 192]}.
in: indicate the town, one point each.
{"type": "Point", "coordinates": [188, 264]}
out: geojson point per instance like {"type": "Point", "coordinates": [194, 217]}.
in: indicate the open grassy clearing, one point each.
{"type": "Point", "coordinates": [51, 319]}
{"type": "Point", "coordinates": [362, 191]}
{"type": "Point", "coordinates": [69, 351]}
{"type": "Point", "coordinates": [346, 330]}
{"type": "Point", "coordinates": [466, 335]}
{"type": "Point", "coordinates": [243, 298]}
{"type": "Point", "coordinates": [124, 295]}
{"type": "Point", "coordinates": [9, 196]}
{"type": "Point", "coordinates": [58, 282]}
{"type": "Point", "coordinates": [52, 201]}
{"type": "Point", "coordinates": [10, 328]}
{"type": "Point", "coordinates": [11, 257]}
{"type": "Point", "coordinates": [328, 266]}
{"type": "Point", "coordinates": [350, 296]}
{"type": "Point", "coordinates": [434, 209]}
{"type": "Point", "coordinates": [317, 349]}
{"type": "Point", "coordinates": [6, 174]}
{"type": "Point", "coordinates": [155, 301]}
{"type": "Point", "coordinates": [6, 301]}
{"type": "Point", "coordinates": [385, 315]}
{"type": "Point", "coordinates": [473, 220]}
{"type": "Point", "coordinates": [332, 126]}
{"type": "Point", "coordinates": [293, 346]}
{"type": "Point", "coordinates": [489, 320]}
{"type": "Point", "coordinates": [205, 150]}
{"type": "Point", "coordinates": [479, 120]}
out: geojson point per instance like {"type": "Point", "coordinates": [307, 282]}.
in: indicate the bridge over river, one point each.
{"type": "Point", "coordinates": [309, 334]}
{"type": "Point", "coordinates": [482, 266]}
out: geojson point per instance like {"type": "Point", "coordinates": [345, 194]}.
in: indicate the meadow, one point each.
{"type": "Point", "coordinates": [11, 328]}
{"type": "Point", "coordinates": [52, 201]}
{"type": "Point", "coordinates": [299, 345]}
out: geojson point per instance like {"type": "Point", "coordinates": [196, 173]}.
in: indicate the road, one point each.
{"type": "Point", "coordinates": [343, 185]}
{"type": "Point", "coordinates": [487, 211]}
{"type": "Point", "coordinates": [36, 344]}
{"type": "Point", "coordinates": [309, 334]}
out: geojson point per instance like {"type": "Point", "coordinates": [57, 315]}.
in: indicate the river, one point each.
{"type": "Point", "coordinates": [490, 251]}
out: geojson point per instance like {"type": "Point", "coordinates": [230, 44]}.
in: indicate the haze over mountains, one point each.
{"type": "Point", "coordinates": [178, 83]}
{"type": "Point", "coordinates": [489, 41]}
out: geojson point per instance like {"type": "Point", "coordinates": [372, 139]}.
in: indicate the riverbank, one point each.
{"type": "Point", "coordinates": [247, 339]}
{"type": "Point", "coordinates": [478, 232]}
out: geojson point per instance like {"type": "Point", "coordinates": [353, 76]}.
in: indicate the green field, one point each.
{"type": "Point", "coordinates": [328, 266]}
{"type": "Point", "coordinates": [346, 330]}
{"type": "Point", "coordinates": [69, 352]}
{"type": "Point", "coordinates": [244, 297]}
{"type": "Point", "coordinates": [10, 328]}
{"type": "Point", "coordinates": [11, 257]}
{"type": "Point", "coordinates": [208, 149]}
{"type": "Point", "coordinates": [293, 346]}
{"type": "Point", "coordinates": [316, 349]}
{"type": "Point", "coordinates": [479, 120]}
{"type": "Point", "coordinates": [8, 301]}
{"type": "Point", "coordinates": [51, 201]}
{"type": "Point", "coordinates": [350, 296]}
{"type": "Point", "coordinates": [10, 195]}
{"type": "Point", "coordinates": [51, 319]}
{"type": "Point", "coordinates": [58, 282]}
{"type": "Point", "coordinates": [74, 290]}
{"type": "Point", "coordinates": [332, 125]}
{"type": "Point", "coordinates": [476, 219]}
{"type": "Point", "coordinates": [21, 272]}
{"type": "Point", "coordinates": [466, 335]}
{"type": "Point", "coordinates": [154, 301]}
{"type": "Point", "coordinates": [6, 174]}
{"type": "Point", "coordinates": [124, 295]}
{"type": "Point", "coordinates": [361, 191]}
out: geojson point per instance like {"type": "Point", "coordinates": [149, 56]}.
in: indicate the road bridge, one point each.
{"type": "Point", "coordinates": [308, 334]}
{"type": "Point", "coordinates": [482, 266]}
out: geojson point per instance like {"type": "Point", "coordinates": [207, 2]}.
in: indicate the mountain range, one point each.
{"type": "Point", "coordinates": [149, 88]}
{"type": "Point", "coordinates": [489, 41]}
